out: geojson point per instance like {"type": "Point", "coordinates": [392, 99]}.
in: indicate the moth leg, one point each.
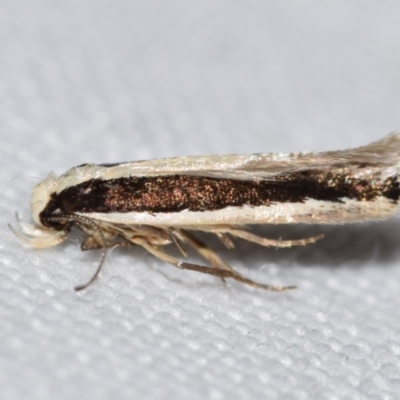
{"type": "Point", "coordinates": [251, 237]}
{"type": "Point", "coordinates": [178, 245]}
{"type": "Point", "coordinates": [224, 273]}
{"type": "Point", "coordinates": [153, 235]}
{"type": "Point", "coordinates": [209, 255]}
{"type": "Point", "coordinates": [93, 242]}
{"type": "Point", "coordinates": [225, 239]}
{"type": "Point", "coordinates": [221, 273]}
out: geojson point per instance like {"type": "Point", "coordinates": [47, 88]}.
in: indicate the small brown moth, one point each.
{"type": "Point", "coordinates": [160, 202]}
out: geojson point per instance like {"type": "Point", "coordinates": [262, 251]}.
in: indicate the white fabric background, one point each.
{"type": "Point", "coordinates": [106, 81]}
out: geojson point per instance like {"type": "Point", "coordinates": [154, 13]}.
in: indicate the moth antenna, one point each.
{"type": "Point", "coordinates": [79, 220]}
{"type": "Point", "coordinates": [95, 275]}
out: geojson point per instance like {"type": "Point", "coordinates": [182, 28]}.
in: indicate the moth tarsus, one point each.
{"type": "Point", "coordinates": [160, 202]}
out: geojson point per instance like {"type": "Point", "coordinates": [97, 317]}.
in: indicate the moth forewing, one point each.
{"type": "Point", "coordinates": [159, 202]}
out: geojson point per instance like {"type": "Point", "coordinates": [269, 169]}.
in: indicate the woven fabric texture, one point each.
{"type": "Point", "coordinates": [107, 81]}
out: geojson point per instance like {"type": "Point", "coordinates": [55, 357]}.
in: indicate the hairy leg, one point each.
{"type": "Point", "coordinates": [221, 273]}
{"type": "Point", "coordinates": [208, 254]}
{"type": "Point", "coordinates": [251, 237]}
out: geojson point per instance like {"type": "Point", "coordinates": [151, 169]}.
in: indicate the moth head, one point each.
{"type": "Point", "coordinates": [41, 196]}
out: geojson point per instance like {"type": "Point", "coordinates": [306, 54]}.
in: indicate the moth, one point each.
{"type": "Point", "coordinates": [161, 202]}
